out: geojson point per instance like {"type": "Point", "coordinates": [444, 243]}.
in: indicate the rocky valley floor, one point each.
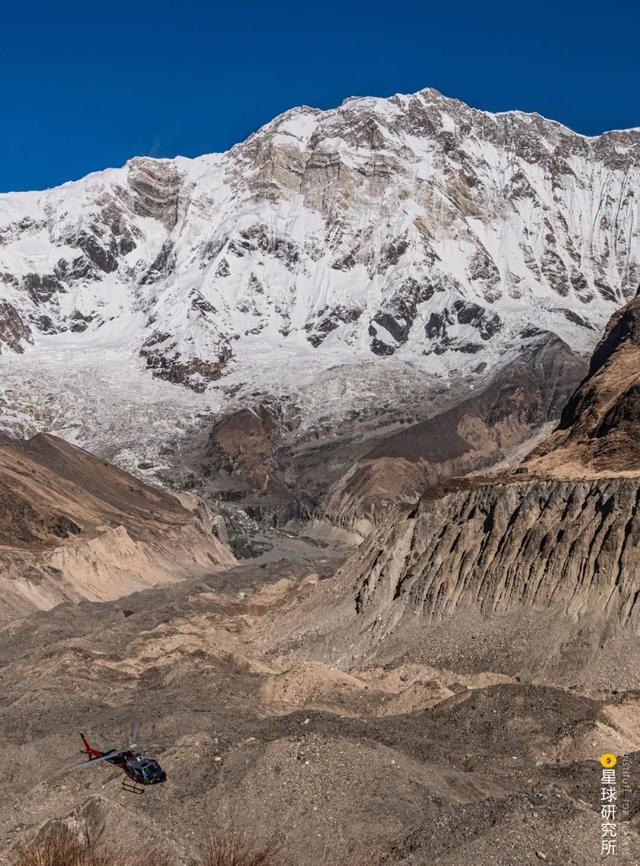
{"type": "Point", "coordinates": [392, 754]}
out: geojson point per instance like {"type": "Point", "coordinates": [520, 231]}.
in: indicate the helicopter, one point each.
{"type": "Point", "coordinates": [139, 769]}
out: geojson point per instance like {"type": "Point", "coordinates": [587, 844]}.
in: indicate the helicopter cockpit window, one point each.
{"type": "Point", "coordinates": [138, 773]}
{"type": "Point", "coordinates": [149, 769]}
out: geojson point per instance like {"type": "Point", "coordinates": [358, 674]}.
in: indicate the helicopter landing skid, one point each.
{"type": "Point", "coordinates": [132, 787]}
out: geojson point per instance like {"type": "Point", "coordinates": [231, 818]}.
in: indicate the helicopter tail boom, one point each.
{"type": "Point", "coordinates": [88, 748]}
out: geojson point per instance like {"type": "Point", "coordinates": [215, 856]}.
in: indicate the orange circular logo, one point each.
{"type": "Point", "coordinates": [608, 760]}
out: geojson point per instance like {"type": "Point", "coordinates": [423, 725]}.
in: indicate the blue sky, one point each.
{"type": "Point", "coordinates": [85, 86]}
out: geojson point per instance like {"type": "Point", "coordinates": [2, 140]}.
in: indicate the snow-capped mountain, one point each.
{"type": "Point", "coordinates": [410, 230]}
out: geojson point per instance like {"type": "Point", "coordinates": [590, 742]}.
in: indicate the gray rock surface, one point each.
{"type": "Point", "coordinates": [535, 544]}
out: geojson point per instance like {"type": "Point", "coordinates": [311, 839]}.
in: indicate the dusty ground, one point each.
{"type": "Point", "coordinates": [407, 754]}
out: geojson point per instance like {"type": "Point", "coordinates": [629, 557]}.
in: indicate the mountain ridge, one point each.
{"type": "Point", "coordinates": [307, 107]}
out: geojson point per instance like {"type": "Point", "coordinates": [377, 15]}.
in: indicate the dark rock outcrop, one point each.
{"type": "Point", "coordinates": [13, 331]}
{"type": "Point", "coordinates": [165, 361]}
{"type": "Point", "coordinates": [599, 427]}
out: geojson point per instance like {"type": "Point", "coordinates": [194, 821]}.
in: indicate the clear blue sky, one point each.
{"type": "Point", "coordinates": [88, 85]}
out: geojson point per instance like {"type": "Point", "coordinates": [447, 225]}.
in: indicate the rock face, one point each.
{"type": "Point", "coordinates": [413, 227]}
{"type": "Point", "coordinates": [598, 430]}
{"type": "Point", "coordinates": [73, 527]}
{"type": "Point", "coordinates": [242, 459]}
{"type": "Point", "coordinates": [569, 545]}
{"type": "Point", "coordinates": [13, 331]}
{"type": "Point", "coordinates": [523, 396]}
{"type": "Point", "coordinates": [567, 537]}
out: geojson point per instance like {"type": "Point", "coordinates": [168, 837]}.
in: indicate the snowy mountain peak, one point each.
{"type": "Point", "coordinates": [413, 228]}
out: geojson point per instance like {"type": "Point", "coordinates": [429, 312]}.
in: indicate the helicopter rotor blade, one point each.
{"type": "Point", "coordinates": [93, 761]}
{"type": "Point", "coordinates": [135, 732]}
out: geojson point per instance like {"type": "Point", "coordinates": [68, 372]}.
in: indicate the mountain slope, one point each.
{"type": "Point", "coordinates": [410, 230]}
{"type": "Point", "coordinates": [73, 527]}
{"type": "Point", "coordinates": [598, 430]}
{"type": "Point", "coordinates": [489, 426]}
{"type": "Point", "coordinates": [559, 534]}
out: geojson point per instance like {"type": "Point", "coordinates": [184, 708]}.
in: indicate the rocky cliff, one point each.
{"type": "Point", "coordinates": [598, 430]}
{"type": "Point", "coordinates": [560, 532]}
{"type": "Point", "coordinates": [574, 546]}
